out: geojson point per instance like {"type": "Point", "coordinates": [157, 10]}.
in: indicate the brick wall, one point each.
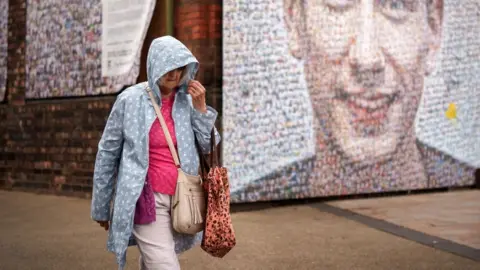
{"type": "Point", "coordinates": [198, 24]}
{"type": "Point", "coordinates": [50, 145]}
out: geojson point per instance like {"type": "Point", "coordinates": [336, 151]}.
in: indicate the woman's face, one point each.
{"type": "Point", "coordinates": [172, 78]}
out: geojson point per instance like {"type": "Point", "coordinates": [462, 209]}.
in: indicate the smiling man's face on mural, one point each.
{"type": "Point", "coordinates": [365, 62]}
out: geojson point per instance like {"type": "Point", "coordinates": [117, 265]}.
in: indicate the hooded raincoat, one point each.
{"type": "Point", "coordinates": [122, 159]}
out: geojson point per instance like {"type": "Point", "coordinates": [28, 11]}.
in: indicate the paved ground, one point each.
{"type": "Point", "coordinates": [453, 215]}
{"type": "Point", "coordinates": [48, 232]}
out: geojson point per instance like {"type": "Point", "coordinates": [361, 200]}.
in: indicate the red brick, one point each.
{"type": "Point", "coordinates": [52, 144]}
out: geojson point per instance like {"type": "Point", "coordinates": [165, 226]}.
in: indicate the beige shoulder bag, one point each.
{"type": "Point", "coordinates": [188, 207]}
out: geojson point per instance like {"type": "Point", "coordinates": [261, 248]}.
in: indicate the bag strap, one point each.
{"type": "Point", "coordinates": [204, 166]}
{"type": "Point", "coordinates": [164, 128]}
{"type": "Point", "coordinates": [213, 153]}
{"type": "Point", "coordinates": [213, 160]}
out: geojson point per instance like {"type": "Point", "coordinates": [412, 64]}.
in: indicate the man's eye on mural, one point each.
{"type": "Point", "coordinates": [397, 10]}
{"type": "Point", "coordinates": [339, 5]}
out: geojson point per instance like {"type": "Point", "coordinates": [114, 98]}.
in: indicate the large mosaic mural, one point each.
{"type": "Point", "coordinates": [65, 39]}
{"type": "Point", "coordinates": [338, 97]}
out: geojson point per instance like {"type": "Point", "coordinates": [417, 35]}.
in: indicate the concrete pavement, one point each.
{"type": "Point", "coordinates": [452, 215]}
{"type": "Point", "coordinates": [56, 233]}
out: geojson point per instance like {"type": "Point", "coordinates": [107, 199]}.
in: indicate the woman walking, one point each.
{"type": "Point", "coordinates": [133, 152]}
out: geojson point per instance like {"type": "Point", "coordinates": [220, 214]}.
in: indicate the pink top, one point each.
{"type": "Point", "coordinates": [162, 172]}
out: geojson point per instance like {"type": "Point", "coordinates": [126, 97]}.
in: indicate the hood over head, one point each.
{"type": "Point", "coordinates": [166, 54]}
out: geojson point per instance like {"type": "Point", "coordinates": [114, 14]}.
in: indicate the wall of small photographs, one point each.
{"type": "Point", "coordinates": [64, 49]}
{"type": "Point", "coordinates": [3, 47]}
{"type": "Point", "coordinates": [324, 98]}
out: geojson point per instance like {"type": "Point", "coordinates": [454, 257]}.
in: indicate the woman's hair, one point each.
{"type": "Point", "coordinates": [183, 79]}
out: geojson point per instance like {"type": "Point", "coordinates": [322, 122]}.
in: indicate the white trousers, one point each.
{"type": "Point", "coordinates": [155, 240]}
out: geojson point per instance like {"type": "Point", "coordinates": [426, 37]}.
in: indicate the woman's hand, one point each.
{"type": "Point", "coordinates": [104, 224]}
{"type": "Point", "coordinates": [197, 91]}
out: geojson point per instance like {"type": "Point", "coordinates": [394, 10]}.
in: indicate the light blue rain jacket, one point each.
{"type": "Point", "coordinates": [122, 158]}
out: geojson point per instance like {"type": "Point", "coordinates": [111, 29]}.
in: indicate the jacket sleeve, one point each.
{"type": "Point", "coordinates": [202, 124]}
{"type": "Point", "coordinates": [108, 156]}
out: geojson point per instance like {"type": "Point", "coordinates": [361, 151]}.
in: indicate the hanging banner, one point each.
{"type": "Point", "coordinates": [123, 29]}
{"type": "Point", "coordinates": [64, 46]}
